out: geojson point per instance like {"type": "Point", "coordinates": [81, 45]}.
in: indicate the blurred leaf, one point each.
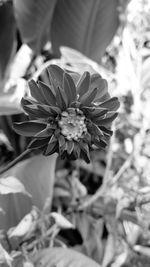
{"type": "Point", "coordinates": [37, 175]}
{"type": "Point", "coordinates": [34, 19]}
{"type": "Point", "coordinates": [25, 226]}
{"type": "Point", "coordinates": [87, 26]}
{"type": "Point", "coordinates": [7, 35]}
{"type": "Point", "coordinates": [5, 258]}
{"type": "Point", "coordinates": [61, 221]}
{"type": "Point", "coordinates": [109, 251]}
{"type": "Point", "coordinates": [11, 185]}
{"type": "Point", "coordinates": [64, 258]}
{"type": "Point", "coordinates": [10, 101]}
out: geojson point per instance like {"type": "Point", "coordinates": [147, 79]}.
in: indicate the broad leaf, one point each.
{"type": "Point", "coordinates": [87, 26]}
{"type": "Point", "coordinates": [7, 35]}
{"type": "Point", "coordinates": [64, 258]}
{"type": "Point", "coordinates": [37, 176]}
{"type": "Point", "coordinates": [33, 17]}
{"type": "Point", "coordinates": [11, 185]}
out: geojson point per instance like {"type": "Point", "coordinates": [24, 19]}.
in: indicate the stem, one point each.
{"type": "Point", "coordinates": [15, 161]}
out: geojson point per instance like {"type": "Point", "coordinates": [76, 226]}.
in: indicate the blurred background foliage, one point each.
{"type": "Point", "coordinates": [100, 209]}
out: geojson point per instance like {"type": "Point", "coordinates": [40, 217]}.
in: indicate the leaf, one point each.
{"type": "Point", "coordinates": [10, 101]}
{"type": "Point", "coordinates": [61, 221]}
{"type": "Point", "coordinates": [12, 185]}
{"type": "Point", "coordinates": [63, 257]}
{"type": "Point", "coordinates": [25, 226]}
{"type": "Point", "coordinates": [87, 26]}
{"type": "Point", "coordinates": [109, 250]}
{"type": "Point", "coordinates": [32, 19]}
{"type": "Point", "coordinates": [7, 35]}
{"type": "Point", "coordinates": [28, 172]}
{"type": "Point", "coordinates": [28, 128]}
{"type": "Point", "coordinates": [5, 258]}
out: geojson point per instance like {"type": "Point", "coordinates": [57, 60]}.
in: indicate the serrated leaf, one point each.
{"type": "Point", "coordinates": [83, 84]}
{"type": "Point", "coordinates": [11, 185]}
{"type": "Point", "coordinates": [48, 94]}
{"type": "Point", "coordinates": [112, 104]}
{"type": "Point", "coordinates": [63, 257]}
{"type": "Point", "coordinates": [28, 128]}
{"type": "Point", "coordinates": [36, 92]}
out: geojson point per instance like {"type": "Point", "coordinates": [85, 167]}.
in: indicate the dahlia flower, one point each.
{"type": "Point", "coordinates": [71, 115]}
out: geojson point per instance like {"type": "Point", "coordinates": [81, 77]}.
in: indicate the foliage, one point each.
{"type": "Point", "coordinates": [94, 214]}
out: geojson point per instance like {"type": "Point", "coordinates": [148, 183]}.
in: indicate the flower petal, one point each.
{"type": "Point", "coordinates": [61, 140]}
{"type": "Point", "coordinates": [107, 121]}
{"type": "Point", "coordinates": [69, 88]}
{"type": "Point", "coordinates": [52, 146]}
{"type": "Point", "coordinates": [83, 84]}
{"type": "Point", "coordinates": [70, 147]}
{"type": "Point", "coordinates": [48, 94]}
{"type": "Point", "coordinates": [34, 112]}
{"type": "Point", "coordinates": [88, 98]}
{"type": "Point", "coordinates": [100, 144]}
{"type": "Point", "coordinates": [85, 151]}
{"type": "Point", "coordinates": [38, 143]}
{"type": "Point", "coordinates": [50, 110]}
{"type": "Point", "coordinates": [72, 86]}
{"type": "Point", "coordinates": [112, 104]}
{"type": "Point", "coordinates": [94, 129]}
{"type": "Point", "coordinates": [45, 133]}
{"type": "Point", "coordinates": [106, 131]}
{"type": "Point", "coordinates": [28, 128]}
{"type": "Point", "coordinates": [36, 92]}
{"type": "Point", "coordinates": [56, 75]}
{"type": "Point", "coordinates": [61, 99]}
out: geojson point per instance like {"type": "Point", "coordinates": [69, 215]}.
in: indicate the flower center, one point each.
{"type": "Point", "coordinates": [72, 124]}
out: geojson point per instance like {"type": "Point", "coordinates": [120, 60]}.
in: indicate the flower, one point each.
{"type": "Point", "coordinates": [68, 117]}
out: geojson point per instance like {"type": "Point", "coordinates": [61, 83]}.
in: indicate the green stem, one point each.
{"type": "Point", "coordinates": [15, 161]}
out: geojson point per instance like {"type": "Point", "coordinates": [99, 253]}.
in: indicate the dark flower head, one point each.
{"type": "Point", "coordinates": [67, 117]}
